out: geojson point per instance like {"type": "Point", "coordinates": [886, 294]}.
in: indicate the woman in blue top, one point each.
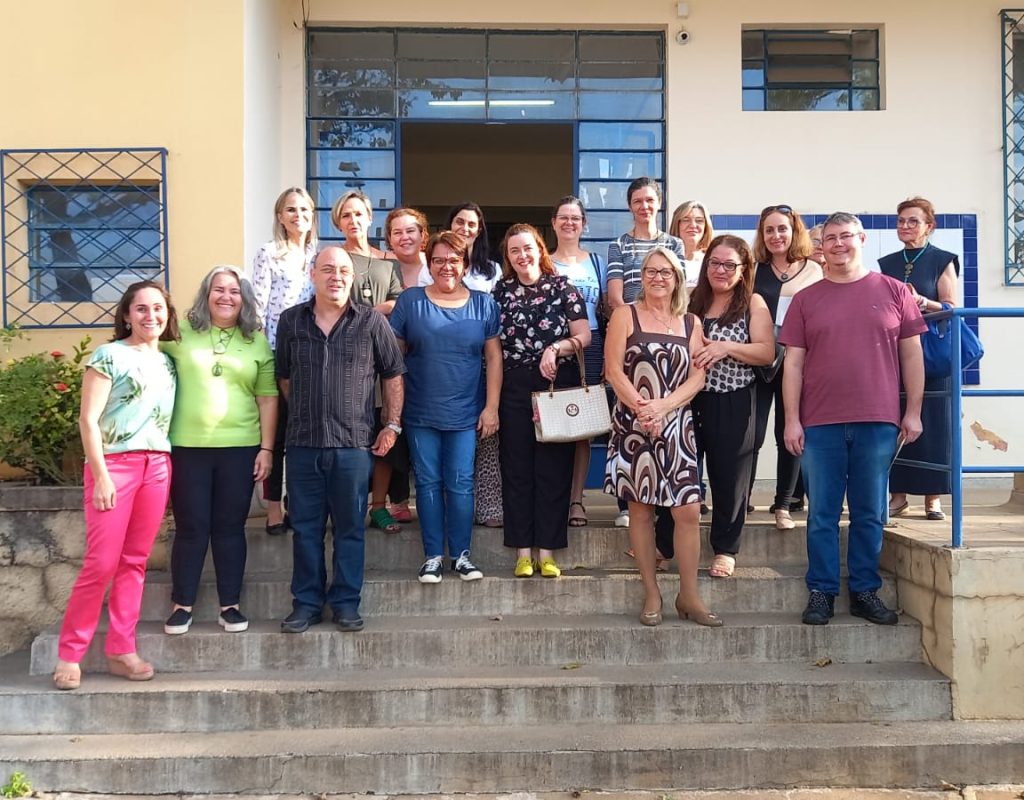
{"type": "Point", "coordinates": [445, 329]}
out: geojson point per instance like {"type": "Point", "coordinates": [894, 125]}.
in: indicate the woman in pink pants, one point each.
{"type": "Point", "coordinates": [127, 400]}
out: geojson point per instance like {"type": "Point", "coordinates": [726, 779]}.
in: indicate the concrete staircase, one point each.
{"type": "Point", "coordinates": [506, 684]}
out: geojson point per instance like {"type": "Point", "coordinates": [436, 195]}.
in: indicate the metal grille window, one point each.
{"type": "Point", "coordinates": [811, 70]}
{"type": "Point", "coordinates": [363, 84]}
{"type": "Point", "coordinates": [78, 227]}
{"type": "Point", "coordinates": [1013, 144]}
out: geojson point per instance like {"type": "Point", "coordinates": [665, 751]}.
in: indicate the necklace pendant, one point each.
{"type": "Point", "coordinates": [784, 277]}
{"type": "Point", "coordinates": [217, 370]}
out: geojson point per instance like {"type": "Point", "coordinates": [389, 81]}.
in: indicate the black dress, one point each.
{"type": "Point", "coordinates": [933, 446]}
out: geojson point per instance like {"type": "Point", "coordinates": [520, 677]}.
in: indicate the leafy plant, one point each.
{"type": "Point", "coordinates": [40, 395]}
{"type": "Point", "coordinates": [17, 786]}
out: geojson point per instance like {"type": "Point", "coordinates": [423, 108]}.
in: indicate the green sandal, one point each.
{"type": "Point", "coordinates": [381, 518]}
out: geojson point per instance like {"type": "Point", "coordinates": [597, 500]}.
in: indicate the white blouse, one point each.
{"type": "Point", "coordinates": [280, 283]}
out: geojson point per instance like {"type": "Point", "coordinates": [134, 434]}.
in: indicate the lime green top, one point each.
{"type": "Point", "coordinates": [219, 410]}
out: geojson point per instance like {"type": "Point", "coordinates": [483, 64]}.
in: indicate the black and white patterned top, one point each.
{"type": "Point", "coordinates": [728, 375]}
{"type": "Point", "coordinates": [533, 317]}
{"type": "Point", "coordinates": [280, 282]}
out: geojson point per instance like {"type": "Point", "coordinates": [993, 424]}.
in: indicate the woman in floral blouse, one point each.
{"type": "Point", "coordinates": [540, 312]}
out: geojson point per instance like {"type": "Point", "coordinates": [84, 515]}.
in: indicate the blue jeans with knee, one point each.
{"type": "Point", "coordinates": [322, 481]}
{"type": "Point", "coordinates": [850, 459]}
{"type": "Point", "coordinates": [443, 462]}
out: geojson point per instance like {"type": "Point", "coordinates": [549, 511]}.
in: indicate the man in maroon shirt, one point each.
{"type": "Point", "coordinates": [850, 339]}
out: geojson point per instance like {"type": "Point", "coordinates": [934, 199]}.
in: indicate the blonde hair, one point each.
{"type": "Point", "coordinates": [680, 212]}
{"type": "Point", "coordinates": [680, 297]}
{"type": "Point", "coordinates": [280, 234]}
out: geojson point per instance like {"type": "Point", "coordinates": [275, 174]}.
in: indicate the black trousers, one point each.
{"type": "Point", "coordinates": [536, 477]}
{"type": "Point", "coordinates": [789, 488]}
{"type": "Point", "coordinates": [273, 485]}
{"type": "Point", "coordinates": [725, 427]}
{"type": "Point", "coordinates": [211, 489]}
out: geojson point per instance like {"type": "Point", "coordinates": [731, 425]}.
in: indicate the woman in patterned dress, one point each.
{"type": "Point", "coordinates": [738, 336]}
{"type": "Point", "coordinates": [652, 457]}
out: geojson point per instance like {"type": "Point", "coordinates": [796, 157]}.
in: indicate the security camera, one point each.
{"type": "Point", "coordinates": [683, 37]}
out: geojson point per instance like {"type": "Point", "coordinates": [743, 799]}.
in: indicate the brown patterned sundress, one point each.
{"type": "Point", "coordinates": [660, 471]}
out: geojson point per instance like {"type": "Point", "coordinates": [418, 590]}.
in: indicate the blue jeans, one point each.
{"type": "Point", "coordinates": [849, 459]}
{"type": "Point", "coordinates": [443, 462]}
{"type": "Point", "coordinates": [324, 481]}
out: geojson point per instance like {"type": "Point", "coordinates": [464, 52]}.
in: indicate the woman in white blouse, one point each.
{"type": "Point", "coordinates": [280, 280]}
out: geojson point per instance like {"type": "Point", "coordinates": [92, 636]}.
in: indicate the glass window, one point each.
{"type": "Point", "coordinates": [545, 75]}
{"type": "Point", "coordinates": [620, 105]}
{"type": "Point", "coordinates": [621, 47]}
{"type": "Point", "coordinates": [354, 164]}
{"type": "Point", "coordinates": [347, 103]}
{"type": "Point", "coordinates": [341, 45]}
{"type": "Point", "coordinates": [810, 70]}
{"type": "Point", "coordinates": [1012, 23]}
{"type": "Point", "coordinates": [442, 104]}
{"type": "Point", "coordinates": [531, 105]}
{"type": "Point", "coordinates": [604, 165]}
{"type": "Point", "coordinates": [441, 45]}
{"type": "Point", "coordinates": [603, 224]}
{"type": "Point", "coordinates": [640, 75]}
{"type": "Point", "coordinates": [326, 190]}
{"type": "Point", "coordinates": [442, 74]}
{"type": "Point", "coordinates": [361, 133]}
{"type": "Point", "coordinates": [532, 47]}
{"type": "Point", "coordinates": [620, 136]}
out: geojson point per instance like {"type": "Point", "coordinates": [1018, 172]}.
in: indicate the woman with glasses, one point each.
{"type": "Point", "coordinates": [541, 312]}
{"type": "Point", "coordinates": [652, 458]}
{"type": "Point", "coordinates": [225, 416]}
{"type": "Point", "coordinates": [280, 280]}
{"type": "Point", "coordinates": [691, 224]}
{"type": "Point", "coordinates": [782, 250]}
{"type": "Point", "coordinates": [738, 336]}
{"type": "Point", "coordinates": [931, 275]}
{"type": "Point", "coordinates": [585, 271]}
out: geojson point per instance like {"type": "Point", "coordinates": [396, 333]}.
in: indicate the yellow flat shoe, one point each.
{"type": "Point", "coordinates": [524, 567]}
{"type": "Point", "coordinates": [549, 569]}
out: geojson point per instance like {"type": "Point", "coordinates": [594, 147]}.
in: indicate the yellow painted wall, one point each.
{"type": "Point", "coordinates": [118, 73]}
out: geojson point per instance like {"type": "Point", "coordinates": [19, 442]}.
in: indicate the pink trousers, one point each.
{"type": "Point", "coordinates": [117, 547]}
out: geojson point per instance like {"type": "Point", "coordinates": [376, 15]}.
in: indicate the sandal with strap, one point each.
{"type": "Point", "coordinates": [722, 566]}
{"type": "Point", "coordinates": [381, 518]}
{"type": "Point", "coordinates": [660, 562]}
{"type": "Point", "coordinates": [577, 520]}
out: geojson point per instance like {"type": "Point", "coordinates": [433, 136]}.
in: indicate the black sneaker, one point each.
{"type": "Point", "coordinates": [348, 620]}
{"type": "Point", "coordinates": [870, 607]}
{"type": "Point", "coordinates": [820, 609]}
{"type": "Point", "coordinates": [432, 570]}
{"type": "Point", "coordinates": [466, 569]}
{"type": "Point", "coordinates": [232, 620]}
{"type": "Point", "coordinates": [299, 621]}
{"type": "Point", "coordinates": [179, 622]}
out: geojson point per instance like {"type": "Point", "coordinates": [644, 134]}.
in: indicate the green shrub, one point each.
{"type": "Point", "coordinates": [17, 786]}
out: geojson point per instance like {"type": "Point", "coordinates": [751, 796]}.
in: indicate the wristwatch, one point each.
{"type": "Point", "coordinates": [395, 427]}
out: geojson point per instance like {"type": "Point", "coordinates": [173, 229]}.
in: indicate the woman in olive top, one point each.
{"type": "Point", "coordinates": [222, 438]}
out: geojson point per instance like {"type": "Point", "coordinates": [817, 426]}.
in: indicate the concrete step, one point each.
{"type": "Point", "coordinates": [592, 546]}
{"type": "Point", "coordinates": [594, 693]}
{"type": "Point", "coordinates": [600, 591]}
{"type": "Point", "coordinates": [524, 757]}
{"type": "Point", "coordinates": [456, 642]}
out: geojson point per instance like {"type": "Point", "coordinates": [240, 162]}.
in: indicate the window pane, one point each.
{"type": "Point", "coordinates": [620, 136]}
{"type": "Point", "coordinates": [331, 46]}
{"type": "Point", "coordinates": [544, 75]}
{"type": "Point", "coordinates": [641, 75]}
{"type": "Point", "coordinates": [808, 99]}
{"type": "Point", "coordinates": [605, 194]}
{"type": "Point", "coordinates": [805, 69]}
{"type": "Point", "coordinates": [331, 133]}
{"type": "Point", "coordinates": [865, 44]}
{"type": "Point", "coordinates": [531, 105]}
{"type": "Point", "coordinates": [753, 74]}
{"type": "Point", "coordinates": [620, 105]}
{"type": "Point", "coordinates": [435, 75]}
{"type": "Point", "coordinates": [604, 224]}
{"type": "Point", "coordinates": [441, 104]}
{"type": "Point", "coordinates": [753, 100]}
{"type": "Point", "coordinates": [325, 192]}
{"type": "Point", "coordinates": [619, 165]}
{"type": "Point", "coordinates": [532, 47]}
{"type": "Point", "coordinates": [752, 44]}
{"type": "Point", "coordinates": [865, 73]}
{"type": "Point", "coordinates": [353, 164]}
{"type": "Point", "coordinates": [354, 74]}
{"type": "Point", "coordinates": [627, 47]}
{"type": "Point", "coordinates": [442, 46]}
{"type": "Point", "coordinates": [866, 100]}
{"type": "Point", "coordinates": [344, 103]}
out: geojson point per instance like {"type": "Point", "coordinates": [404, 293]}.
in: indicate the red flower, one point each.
{"type": "Point", "coordinates": [56, 354]}
{"type": "Point", "coordinates": [61, 387]}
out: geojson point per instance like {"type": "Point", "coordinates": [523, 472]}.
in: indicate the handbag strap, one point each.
{"type": "Point", "coordinates": [577, 349]}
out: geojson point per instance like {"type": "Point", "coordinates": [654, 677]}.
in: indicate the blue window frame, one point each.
{"type": "Point", "coordinates": [1012, 21]}
{"type": "Point", "coordinates": [811, 70]}
{"type": "Point", "coordinates": [80, 226]}
{"type": "Point", "coordinates": [363, 84]}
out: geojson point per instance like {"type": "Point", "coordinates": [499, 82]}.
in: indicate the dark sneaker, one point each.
{"type": "Point", "coordinates": [820, 609]}
{"type": "Point", "coordinates": [870, 607]}
{"type": "Point", "coordinates": [432, 570]}
{"type": "Point", "coordinates": [348, 620]}
{"type": "Point", "coordinates": [232, 620]}
{"type": "Point", "coordinates": [179, 622]}
{"type": "Point", "coordinates": [299, 621]}
{"type": "Point", "coordinates": [466, 569]}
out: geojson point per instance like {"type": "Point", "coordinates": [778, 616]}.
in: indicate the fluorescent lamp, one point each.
{"type": "Point", "coordinates": [496, 103]}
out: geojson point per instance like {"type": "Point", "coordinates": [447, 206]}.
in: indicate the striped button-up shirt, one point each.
{"type": "Point", "coordinates": [331, 377]}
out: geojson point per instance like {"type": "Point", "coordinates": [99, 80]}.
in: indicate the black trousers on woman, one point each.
{"type": "Point", "coordinates": [788, 486]}
{"type": "Point", "coordinates": [536, 477]}
{"type": "Point", "coordinates": [725, 426]}
{"type": "Point", "coordinates": [274, 484]}
{"type": "Point", "coordinates": [211, 490]}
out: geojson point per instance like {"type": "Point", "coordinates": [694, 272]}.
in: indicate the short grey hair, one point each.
{"type": "Point", "coordinates": [843, 218]}
{"type": "Point", "coordinates": [248, 320]}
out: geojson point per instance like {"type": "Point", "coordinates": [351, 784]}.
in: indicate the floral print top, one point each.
{"type": "Point", "coordinates": [533, 317]}
{"type": "Point", "coordinates": [137, 415]}
{"type": "Point", "coordinates": [280, 282]}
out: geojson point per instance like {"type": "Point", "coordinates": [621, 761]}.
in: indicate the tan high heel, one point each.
{"type": "Point", "coordinates": [138, 671]}
{"type": "Point", "coordinates": [67, 676]}
{"type": "Point", "coordinates": [652, 618]}
{"type": "Point", "coordinates": [705, 618]}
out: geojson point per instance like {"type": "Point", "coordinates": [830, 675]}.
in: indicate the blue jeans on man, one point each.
{"type": "Point", "coordinates": [851, 460]}
{"type": "Point", "coordinates": [322, 482]}
{"type": "Point", "coordinates": [444, 463]}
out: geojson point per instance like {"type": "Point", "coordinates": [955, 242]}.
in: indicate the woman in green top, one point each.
{"type": "Point", "coordinates": [222, 435]}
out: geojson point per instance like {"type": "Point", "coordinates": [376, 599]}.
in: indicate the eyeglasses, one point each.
{"type": "Point", "coordinates": [908, 222]}
{"type": "Point", "coordinates": [772, 209]}
{"type": "Point", "coordinates": [565, 218]}
{"type": "Point", "coordinates": [725, 266]}
{"type": "Point", "coordinates": [664, 273]}
{"type": "Point", "coordinates": [845, 238]}
{"type": "Point", "coordinates": [452, 261]}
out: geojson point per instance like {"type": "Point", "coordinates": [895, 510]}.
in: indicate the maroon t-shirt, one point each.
{"type": "Point", "coordinates": [851, 333]}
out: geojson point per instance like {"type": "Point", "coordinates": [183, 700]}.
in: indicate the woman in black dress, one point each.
{"type": "Point", "coordinates": [931, 274]}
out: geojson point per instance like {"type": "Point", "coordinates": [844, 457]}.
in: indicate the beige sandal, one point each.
{"type": "Point", "coordinates": [67, 676]}
{"type": "Point", "coordinates": [722, 566]}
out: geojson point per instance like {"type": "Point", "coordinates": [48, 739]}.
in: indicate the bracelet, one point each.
{"type": "Point", "coordinates": [554, 348]}
{"type": "Point", "coordinates": [267, 449]}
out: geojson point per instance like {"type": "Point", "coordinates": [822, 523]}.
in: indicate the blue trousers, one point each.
{"type": "Point", "coordinates": [850, 459]}
{"type": "Point", "coordinates": [324, 481]}
{"type": "Point", "coordinates": [444, 463]}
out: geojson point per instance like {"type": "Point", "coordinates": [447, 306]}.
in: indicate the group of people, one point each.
{"type": "Point", "coordinates": [341, 370]}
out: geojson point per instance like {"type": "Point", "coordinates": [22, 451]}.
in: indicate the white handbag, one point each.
{"type": "Point", "coordinates": [568, 415]}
